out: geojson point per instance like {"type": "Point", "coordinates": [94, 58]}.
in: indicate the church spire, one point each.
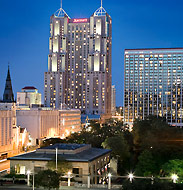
{"type": "Point", "coordinates": [8, 91]}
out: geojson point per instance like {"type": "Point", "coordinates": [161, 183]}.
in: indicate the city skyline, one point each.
{"type": "Point", "coordinates": [23, 19]}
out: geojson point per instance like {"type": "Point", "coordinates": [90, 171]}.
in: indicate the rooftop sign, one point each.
{"type": "Point", "coordinates": [80, 20]}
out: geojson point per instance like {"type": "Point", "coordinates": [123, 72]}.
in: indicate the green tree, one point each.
{"type": "Point", "coordinates": [47, 179]}
{"type": "Point", "coordinates": [119, 147]}
{"type": "Point", "coordinates": [146, 165]}
{"type": "Point", "coordinates": [63, 166]}
{"type": "Point", "coordinates": [173, 167]}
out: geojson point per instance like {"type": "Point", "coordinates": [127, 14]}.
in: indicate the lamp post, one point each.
{"type": "Point", "coordinates": [69, 179]}
{"type": "Point", "coordinates": [28, 178]}
{"type": "Point", "coordinates": [109, 181]}
{"type": "Point", "coordinates": [56, 158]}
{"type": "Point", "coordinates": [33, 182]}
{"type": "Point", "coordinates": [174, 178]}
{"type": "Point", "coordinates": [89, 181]}
{"type": "Point", "coordinates": [131, 176]}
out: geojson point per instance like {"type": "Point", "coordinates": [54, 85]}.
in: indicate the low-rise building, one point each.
{"type": "Point", "coordinates": [29, 96]}
{"type": "Point", "coordinates": [84, 159]}
{"type": "Point", "coordinates": [47, 122]}
{"type": "Point", "coordinates": [70, 122]}
{"type": "Point", "coordinates": [7, 122]}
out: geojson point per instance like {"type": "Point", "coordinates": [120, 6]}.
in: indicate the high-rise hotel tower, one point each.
{"type": "Point", "coordinates": [154, 84]}
{"type": "Point", "coordinates": [79, 62]}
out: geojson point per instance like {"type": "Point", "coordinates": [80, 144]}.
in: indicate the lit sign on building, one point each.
{"type": "Point", "coordinates": [80, 20]}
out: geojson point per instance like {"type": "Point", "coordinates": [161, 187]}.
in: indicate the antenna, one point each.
{"type": "Point", "coordinates": [8, 64]}
{"type": "Point", "coordinates": [61, 4]}
{"type": "Point", "coordinates": [101, 3]}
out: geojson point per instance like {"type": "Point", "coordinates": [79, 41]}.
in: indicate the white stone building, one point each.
{"type": "Point", "coordinates": [29, 96]}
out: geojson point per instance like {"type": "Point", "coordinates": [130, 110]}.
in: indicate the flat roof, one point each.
{"type": "Point", "coordinates": [181, 48]}
{"type": "Point", "coordinates": [87, 155]}
{"type": "Point", "coordinates": [62, 146]}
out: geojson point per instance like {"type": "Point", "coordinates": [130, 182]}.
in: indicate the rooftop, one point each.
{"type": "Point", "coordinates": [86, 155]}
{"type": "Point", "coordinates": [181, 48]}
{"type": "Point", "coordinates": [29, 88]}
{"type": "Point", "coordinates": [64, 146]}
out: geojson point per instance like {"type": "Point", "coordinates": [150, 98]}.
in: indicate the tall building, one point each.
{"type": "Point", "coordinates": [8, 91]}
{"type": "Point", "coordinates": [153, 84]}
{"type": "Point", "coordinates": [79, 62]}
{"type": "Point", "coordinates": [29, 96]}
{"type": "Point", "coordinates": [113, 100]}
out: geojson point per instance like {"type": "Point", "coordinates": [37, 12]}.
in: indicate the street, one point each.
{"type": "Point", "coordinates": [4, 165]}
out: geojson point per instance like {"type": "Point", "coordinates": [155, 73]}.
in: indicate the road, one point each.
{"type": "Point", "coordinates": [4, 165]}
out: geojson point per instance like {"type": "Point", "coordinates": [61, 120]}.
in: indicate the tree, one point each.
{"type": "Point", "coordinates": [146, 165]}
{"type": "Point", "coordinates": [48, 179]}
{"type": "Point", "coordinates": [173, 167]}
{"type": "Point", "coordinates": [120, 151]}
{"type": "Point", "coordinates": [63, 166]}
{"type": "Point", "coordinates": [119, 147]}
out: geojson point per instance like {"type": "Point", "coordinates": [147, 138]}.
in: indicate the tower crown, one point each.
{"type": "Point", "coordinates": [100, 11]}
{"type": "Point", "coordinates": [60, 13]}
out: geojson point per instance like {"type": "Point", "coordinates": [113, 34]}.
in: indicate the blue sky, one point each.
{"type": "Point", "coordinates": [24, 33]}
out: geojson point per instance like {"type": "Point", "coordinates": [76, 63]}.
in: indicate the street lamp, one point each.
{"type": "Point", "coordinates": [174, 178]}
{"type": "Point", "coordinates": [28, 177]}
{"type": "Point", "coordinates": [109, 180]}
{"type": "Point", "coordinates": [130, 176]}
{"type": "Point", "coordinates": [69, 179]}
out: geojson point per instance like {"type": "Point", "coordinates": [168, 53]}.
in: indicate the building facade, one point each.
{"type": "Point", "coordinates": [7, 123]}
{"type": "Point", "coordinates": [29, 96]}
{"type": "Point", "coordinates": [44, 123]}
{"type": "Point", "coordinates": [79, 62]}
{"type": "Point", "coordinates": [84, 161]}
{"type": "Point", "coordinates": [69, 121]}
{"type": "Point", "coordinates": [113, 100]}
{"type": "Point", "coordinates": [153, 84]}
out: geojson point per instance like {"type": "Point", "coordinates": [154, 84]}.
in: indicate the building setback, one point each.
{"type": "Point", "coordinates": [153, 84]}
{"type": "Point", "coordinates": [79, 62]}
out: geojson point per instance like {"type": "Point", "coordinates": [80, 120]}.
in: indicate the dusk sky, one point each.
{"type": "Point", "coordinates": [24, 34]}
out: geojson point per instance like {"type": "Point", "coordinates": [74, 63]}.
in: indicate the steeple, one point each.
{"type": "Point", "coordinates": [8, 91]}
{"type": "Point", "coordinates": [60, 12]}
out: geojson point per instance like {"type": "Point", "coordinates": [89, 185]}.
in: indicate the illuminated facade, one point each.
{"type": "Point", "coordinates": [29, 96]}
{"type": "Point", "coordinates": [7, 122]}
{"type": "Point", "coordinates": [44, 123]}
{"type": "Point", "coordinates": [79, 62]}
{"type": "Point", "coordinates": [153, 84]}
{"type": "Point", "coordinates": [69, 121]}
{"type": "Point", "coordinates": [113, 100]}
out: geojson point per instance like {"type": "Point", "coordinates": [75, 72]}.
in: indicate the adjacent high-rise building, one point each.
{"type": "Point", "coordinates": [113, 100]}
{"type": "Point", "coordinates": [153, 84]}
{"type": "Point", "coordinates": [79, 62]}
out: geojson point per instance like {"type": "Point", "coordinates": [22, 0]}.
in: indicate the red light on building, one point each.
{"type": "Point", "coordinates": [79, 20]}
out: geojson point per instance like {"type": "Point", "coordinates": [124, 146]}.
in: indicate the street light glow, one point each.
{"type": "Point", "coordinates": [28, 172]}
{"type": "Point", "coordinates": [174, 178]}
{"type": "Point", "coordinates": [131, 176]}
{"type": "Point", "coordinates": [109, 174]}
{"type": "Point", "coordinates": [69, 173]}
